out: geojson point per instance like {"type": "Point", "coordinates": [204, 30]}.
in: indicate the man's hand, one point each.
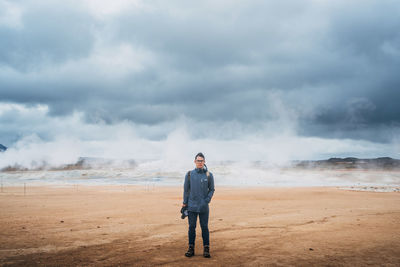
{"type": "Point", "coordinates": [184, 205]}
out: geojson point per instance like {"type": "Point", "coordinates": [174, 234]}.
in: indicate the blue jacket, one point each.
{"type": "Point", "coordinates": [198, 193]}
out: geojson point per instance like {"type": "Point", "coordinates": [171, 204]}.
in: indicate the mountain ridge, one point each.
{"type": "Point", "coordinates": [2, 148]}
{"type": "Point", "coordinates": [350, 163]}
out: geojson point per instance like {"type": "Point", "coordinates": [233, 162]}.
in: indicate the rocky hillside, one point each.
{"type": "Point", "coordinates": [351, 163]}
{"type": "Point", "coordinates": [2, 148]}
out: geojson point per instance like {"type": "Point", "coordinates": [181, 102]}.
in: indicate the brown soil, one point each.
{"type": "Point", "coordinates": [141, 226]}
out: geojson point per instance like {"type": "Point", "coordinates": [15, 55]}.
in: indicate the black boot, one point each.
{"type": "Point", "coordinates": [190, 251]}
{"type": "Point", "coordinates": [206, 252]}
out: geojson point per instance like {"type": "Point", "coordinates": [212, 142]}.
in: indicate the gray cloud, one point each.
{"type": "Point", "coordinates": [334, 68]}
{"type": "Point", "coordinates": [51, 34]}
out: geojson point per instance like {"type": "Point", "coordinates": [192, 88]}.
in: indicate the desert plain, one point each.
{"type": "Point", "coordinates": [249, 226]}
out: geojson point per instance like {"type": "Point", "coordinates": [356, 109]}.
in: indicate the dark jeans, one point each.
{"type": "Point", "coordinates": [192, 219]}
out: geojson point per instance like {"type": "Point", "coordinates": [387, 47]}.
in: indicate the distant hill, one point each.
{"type": "Point", "coordinates": [351, 163]}
{"type": "Point", "coordinates": [2, 148]}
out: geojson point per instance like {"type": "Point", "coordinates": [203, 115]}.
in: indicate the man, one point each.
{"type": "Point", "coordinates": [198, 190]}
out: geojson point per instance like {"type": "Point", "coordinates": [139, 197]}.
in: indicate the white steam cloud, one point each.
{"type": "Point", "coordinates": [56, 142]}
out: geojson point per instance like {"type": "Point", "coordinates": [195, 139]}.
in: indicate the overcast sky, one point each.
{"type": "Point", "coordinates": [220, 70]}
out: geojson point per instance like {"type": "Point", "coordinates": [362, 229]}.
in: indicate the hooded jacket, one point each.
{"type": "Point", "coordinates": [198, 191]}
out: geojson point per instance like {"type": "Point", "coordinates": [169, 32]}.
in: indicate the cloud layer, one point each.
{"type": "Point", "coordinates": [224, 71]}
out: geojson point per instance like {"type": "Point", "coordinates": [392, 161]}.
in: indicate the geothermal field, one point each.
{"type": "Point", "coordinates": [128, 215]}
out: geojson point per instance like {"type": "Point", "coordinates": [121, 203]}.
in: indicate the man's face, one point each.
{"type": "Point", "coordinates": [199, 161]}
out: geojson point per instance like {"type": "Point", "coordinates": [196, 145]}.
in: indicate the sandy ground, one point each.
{"type": "Point", "coordinates": [141, 226]}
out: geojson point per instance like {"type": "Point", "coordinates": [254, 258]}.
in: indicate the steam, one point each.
{"type": "Point", "coordinates": [53, 142]}
{"type": "Point", "coordinates": [124, 153]}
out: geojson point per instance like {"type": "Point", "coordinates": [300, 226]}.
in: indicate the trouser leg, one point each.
{"type": "Point", "coordinates": [192, 219]}
{"type": "Point", "coordinates": [204, 227]}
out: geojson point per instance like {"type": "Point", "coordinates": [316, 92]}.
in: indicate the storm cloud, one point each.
{"type": "Point", "coordinates": [225, 69]}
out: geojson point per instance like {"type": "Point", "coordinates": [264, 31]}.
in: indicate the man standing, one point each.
{"type": "Point", "coordinates": [197, 193]}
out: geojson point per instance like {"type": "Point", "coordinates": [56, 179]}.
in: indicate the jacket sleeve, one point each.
{"type": "Point", "coordinates": [211, 188]}
{"type": "Point", "coordinates": [186, 190]}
